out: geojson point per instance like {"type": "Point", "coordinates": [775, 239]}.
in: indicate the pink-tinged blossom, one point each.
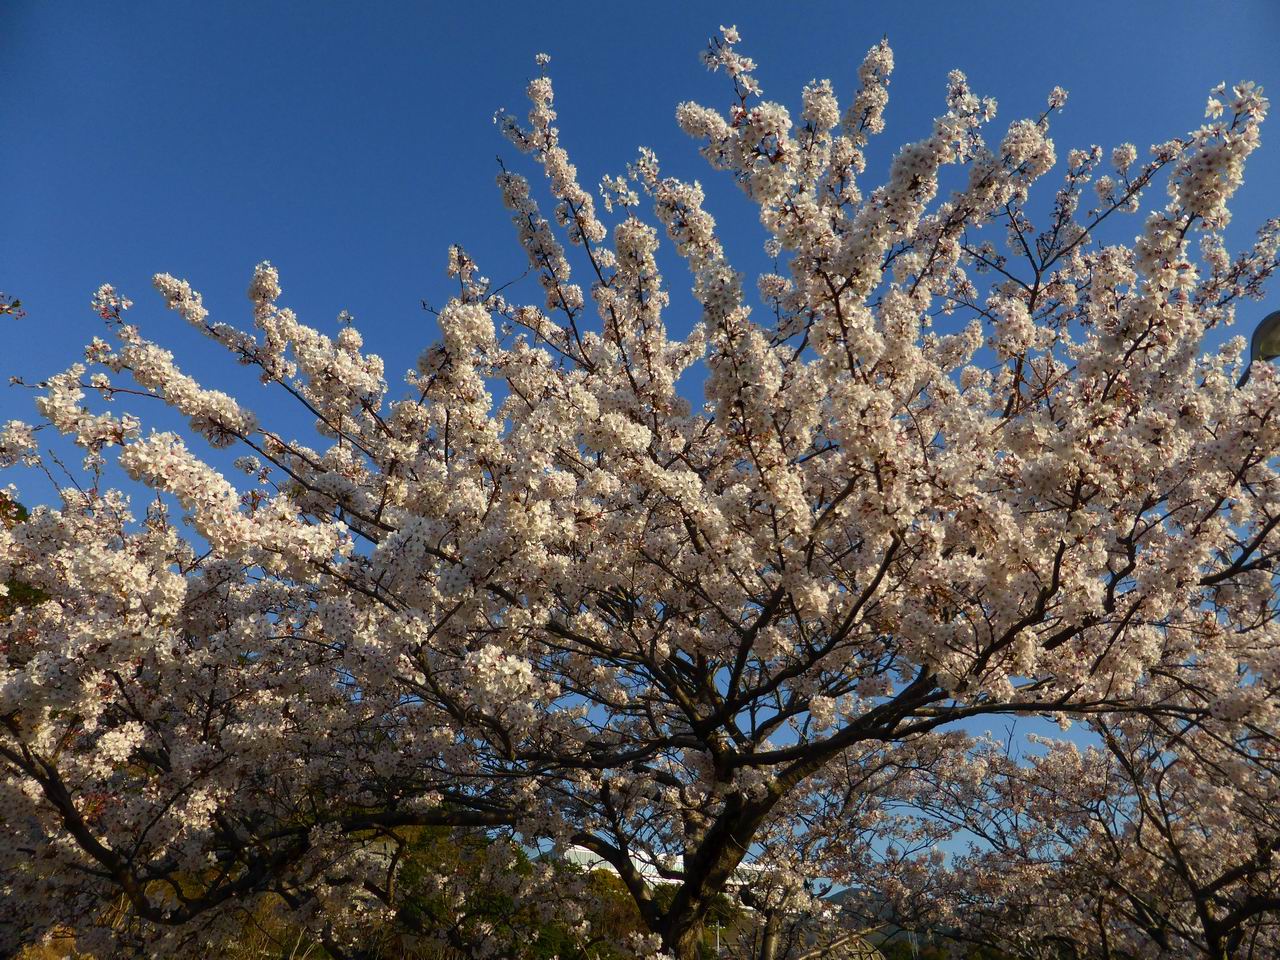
{"type": "Point", "coordinates": [951, 461]}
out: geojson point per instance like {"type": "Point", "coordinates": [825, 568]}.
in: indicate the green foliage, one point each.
{"type": "Point", "coordinates": [427, 927]}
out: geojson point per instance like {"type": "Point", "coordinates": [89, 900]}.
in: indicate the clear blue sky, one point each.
{"type": "Point", "coordinates": [350, 144]}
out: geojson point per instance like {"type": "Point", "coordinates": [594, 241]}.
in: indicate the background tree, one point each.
{"type": "Point", "coordinates": [1156, 843]}
{"type": "Point", "coordinates": [541, 594]}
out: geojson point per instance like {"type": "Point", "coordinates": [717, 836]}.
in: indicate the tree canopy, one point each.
{"type": "Point", "coordinates": [959, 456]}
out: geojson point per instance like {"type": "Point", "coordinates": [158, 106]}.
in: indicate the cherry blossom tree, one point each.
{"type": "Point", "coordinates": [1159, 842]}
{"type": "Point", "coordinates": [959, 456]}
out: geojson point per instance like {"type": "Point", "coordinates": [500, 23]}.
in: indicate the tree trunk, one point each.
{"type": "Point", "coordinates": [684, 939]}
{"type": "Point", "coordinates": [769, 936]}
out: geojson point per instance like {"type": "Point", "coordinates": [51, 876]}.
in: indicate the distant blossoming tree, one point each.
{"type": "Point", "coordinates": [968, 460]}
{"type": "Point", "coordinates": [1158, 842]}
